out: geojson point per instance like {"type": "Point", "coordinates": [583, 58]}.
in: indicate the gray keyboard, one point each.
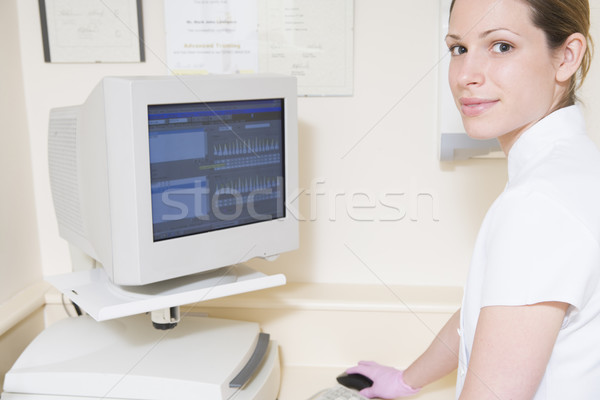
{"type": "Point", "coordinates": [338, 392]}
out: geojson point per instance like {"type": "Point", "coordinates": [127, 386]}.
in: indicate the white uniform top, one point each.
{"type": "Point", "coordinates": [540, 241]}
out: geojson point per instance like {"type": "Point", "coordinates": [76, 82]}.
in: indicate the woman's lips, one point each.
{"type": "Point", "coordinates": [473, 107]}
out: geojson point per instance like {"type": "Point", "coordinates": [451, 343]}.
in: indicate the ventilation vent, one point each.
{"type": "Point", "coordinates": [62, 163]}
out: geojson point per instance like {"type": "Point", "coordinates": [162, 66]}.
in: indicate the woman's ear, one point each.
{"type": "Point", "coordinates": [569, 56]}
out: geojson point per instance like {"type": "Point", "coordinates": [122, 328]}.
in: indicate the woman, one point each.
{"type": "Point", "coordinates": [529, 327]}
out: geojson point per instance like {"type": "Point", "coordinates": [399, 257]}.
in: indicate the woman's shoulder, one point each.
{"type": "Point", "coordinates": [559, 188]}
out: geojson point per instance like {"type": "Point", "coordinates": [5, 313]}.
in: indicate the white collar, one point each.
{"type": "Point", "coordinates": [536, 141]}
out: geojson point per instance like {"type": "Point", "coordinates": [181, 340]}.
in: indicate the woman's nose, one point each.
{"type": "Point", "coordinates": [468, 70]}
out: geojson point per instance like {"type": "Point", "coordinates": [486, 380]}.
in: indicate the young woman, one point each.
{"type": "Point", "coordinates": [529, 326]}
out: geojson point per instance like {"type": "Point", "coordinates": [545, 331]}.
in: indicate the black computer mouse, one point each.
{"type": "Point", "coordinates": [354, 381]}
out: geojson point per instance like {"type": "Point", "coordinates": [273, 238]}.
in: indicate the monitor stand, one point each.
{"type": "Point", "coordinates": [93, 291]}
{"type": "Point", "coordinates": [82, 359]}
{"type": "Point", "coordinates": [119, 355]}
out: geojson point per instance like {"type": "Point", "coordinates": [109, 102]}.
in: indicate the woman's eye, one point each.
{"type": "Point", "coordinates": [501, 47]}
{"type": "Point", "coordinates": [458, 50]}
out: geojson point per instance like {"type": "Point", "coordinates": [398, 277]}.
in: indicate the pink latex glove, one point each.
{"type": "Point", "coordinates": [388, 382]}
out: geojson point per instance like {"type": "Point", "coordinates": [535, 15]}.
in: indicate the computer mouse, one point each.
{"type": "Point", "coordinates": [354, 381]}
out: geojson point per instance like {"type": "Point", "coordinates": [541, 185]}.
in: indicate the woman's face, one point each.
{"type": "Point", "coordinates": [502, 73]}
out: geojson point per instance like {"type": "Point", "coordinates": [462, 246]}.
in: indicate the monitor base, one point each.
{"type": "Point", "coordinates": [82, 359]}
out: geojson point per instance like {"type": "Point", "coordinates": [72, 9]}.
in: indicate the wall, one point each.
{"type": "Point", "coordinates": [19, 255]}
{"type": "Point", "coordinates": [392, 114]}
{"type": "Point", "coordinates": [19, 249]}
{"type": "Point", "coordinates": [354, 150]}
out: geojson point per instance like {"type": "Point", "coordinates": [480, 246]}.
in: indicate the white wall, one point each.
{"type": "Point", "coordinates": [389, 123]}
{"type": "Point", "coordinates": [20, 264]}
{"type": "Point", "coordinates": [19, 249]}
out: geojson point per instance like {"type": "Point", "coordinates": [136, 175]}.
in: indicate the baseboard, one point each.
{"type": "Point", "coordinates": [21, 305]}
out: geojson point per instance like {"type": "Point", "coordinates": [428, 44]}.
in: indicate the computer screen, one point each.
{"type": "Point", "coordinates": [162, 177]}
{"type": "Point", "coordinates": [215, 165]}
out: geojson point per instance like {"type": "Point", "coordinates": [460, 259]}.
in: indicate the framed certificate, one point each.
{"type": "Point", "coordinates": [312, 40]}
{"type": "Point", "coordinates": [92, 31]}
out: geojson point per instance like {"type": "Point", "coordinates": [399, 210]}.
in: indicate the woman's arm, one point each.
{"type": "Point", "coordinates": [511, 350]}
{"type": "Point", "coordinates": [440, 358]}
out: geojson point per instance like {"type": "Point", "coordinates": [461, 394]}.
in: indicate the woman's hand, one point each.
{"type": "Point", "coordinates": [388, 382]}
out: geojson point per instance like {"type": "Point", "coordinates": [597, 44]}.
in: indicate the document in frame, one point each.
{"type": "Point", "coordinates": [92, 31]}
{"type": "Point", "coordinates": [309, 39]}
{"type": "Point", "coordinates": [211, 37]}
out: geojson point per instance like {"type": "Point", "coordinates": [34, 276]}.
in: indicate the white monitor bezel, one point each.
{"type": "Point", "coordinates": [138, 258]}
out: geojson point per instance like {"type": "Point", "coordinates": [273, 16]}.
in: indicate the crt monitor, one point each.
{"type": "Point", "coordinates": [162, 177]}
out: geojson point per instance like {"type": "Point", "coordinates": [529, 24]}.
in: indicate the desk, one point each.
{"type": "Point", "coordinates": [299, 383]}
{"type": "Point", "coordinates": [323, 328]}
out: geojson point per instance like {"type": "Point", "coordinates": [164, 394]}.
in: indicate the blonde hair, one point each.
{"type": "Point", "coordinates": [559, 19]}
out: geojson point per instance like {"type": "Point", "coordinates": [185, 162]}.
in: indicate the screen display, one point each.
{"type": "Point", "coordinates": [215, 165]}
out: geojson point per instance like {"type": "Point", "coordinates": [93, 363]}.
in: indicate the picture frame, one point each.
{"type": "Point", "coordinates": [92, 31]}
